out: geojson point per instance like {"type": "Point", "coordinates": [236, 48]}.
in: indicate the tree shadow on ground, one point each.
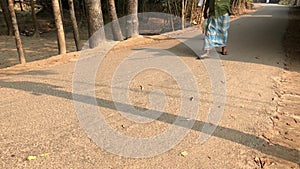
{"type": "Point", "coordinates": [236, 136]}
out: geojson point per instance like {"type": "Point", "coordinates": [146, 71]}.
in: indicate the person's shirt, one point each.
{"type": "Point", "coordinates": [200, 3]}
{"type": "Point", "coordinates": [218, 8]}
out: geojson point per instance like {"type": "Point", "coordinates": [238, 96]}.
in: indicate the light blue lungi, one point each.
{"type": "Point", "coordinates": [217, 32]}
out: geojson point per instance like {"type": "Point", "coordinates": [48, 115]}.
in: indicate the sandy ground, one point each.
{"type": "Point", "coordinates": [35, 49]}
{"type": "Point", "coordinates": [38, 116]}
{"type": "Point", "coordinates": [286, 121]}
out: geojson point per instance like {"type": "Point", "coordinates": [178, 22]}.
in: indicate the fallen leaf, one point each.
{"type": "Point", "coordinates": [256, 159]}
{"type": "Point", "coordinates": [30, 158]}
{"type": "Point", "coordinates": [184, 153]}
{"type": "Point", "coordinates": [44, 155]}
{"type": "Point", "coordinates": [259, 162]}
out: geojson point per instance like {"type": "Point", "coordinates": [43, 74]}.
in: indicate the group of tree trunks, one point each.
{"type": "Point", "coordinates": [93, 12]}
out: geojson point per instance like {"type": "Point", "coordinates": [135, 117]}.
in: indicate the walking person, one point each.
{"type": "Point", "coordinates": [217, 13]}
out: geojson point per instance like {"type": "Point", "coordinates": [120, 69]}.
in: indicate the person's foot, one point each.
{"type": "Point", "coordinates": [224, 51]}
{"type": "Point", "coordinates": [205, 55]}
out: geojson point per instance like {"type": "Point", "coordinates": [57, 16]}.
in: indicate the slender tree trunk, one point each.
{"type": "Point", "coordinates": [16, 32]}
{"type": "Point", "coordinates": [81, 12]}
{"type": "Point", "coordinates": [95, 22]}
{"type": "Point", "coordinates": [171, 16]}
{"type": "Point", "coordinates": [20, 3]}
{"type": "Point", "coordinates": [74, 23]}
{"type": "Point", "coordinates": [61, 11]}
{"type": "Point", "coordinates": [132, 19]}
{"type": "Point", "coordinates": [115, 22]}
{"type": "Point", "coordinates": [85, 9]}
{"type": "Point", "coordinates": [60, 29]}
{"type": "Point", "coordinates": [124, 7]}
{"type": "Point", "coordinates": [36, 28]}
{"type": "Point", "coordinates": [192, 12]}
{"type": "Point", "coordinates": [201, 13]}
{"type": "Point", "coordinates": [183, 15]}
{"type": "Point", "coordinates": [177, 11]}
{"type": "Point", "coordinates": [7, 17]}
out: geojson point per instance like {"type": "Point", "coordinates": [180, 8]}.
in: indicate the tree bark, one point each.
{"type": "Point", "coordinates": [132, 18]}
{"type": "Point", "coordinates": [183, 15]}
{"type": "Point", "coordinates": [115, 22]}
{"type": "Point", "coordinates": [95, 22]}
{"type": "Point", "coordinates": [60, 29]}
{"type": "Point", "coordinates": [33, 15]}
{"type": "Point", "coordinates": [61, 11]}
{"type": "Point", "coordinates": [75, 26]}
{"type": "Point", "coordinates": [16, 32]}
{"type": "Point", "coordinates": [7, 17]}
{"type": "Point", "coordinates": [171, 15]}
{"type": "Point", "coordinates": [21, 7]}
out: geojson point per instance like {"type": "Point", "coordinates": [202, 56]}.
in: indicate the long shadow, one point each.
{"type": "Point", "coordinates": [249, 140]}
{"type": "Point", "coordinates": [255, 38]}
{"type": "Point", "coordinates": [32, 72]}
{"type": "Point", "coordinates": [169, 95]}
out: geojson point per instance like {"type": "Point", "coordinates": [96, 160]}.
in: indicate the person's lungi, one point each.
{"type": "Point", "coordinates": [216, 34]}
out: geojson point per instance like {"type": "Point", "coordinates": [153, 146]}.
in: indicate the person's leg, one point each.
{"type": "Point", "coordinates": [205, 55]}
{"type": "Point", "coordinates": [224, 50]}
{"type": "Point", "coordinates": [207, 38]}
{"type": "Point", "coordinates": [207, 52]}
{"type": "Point", "coordinates": [224, 33]}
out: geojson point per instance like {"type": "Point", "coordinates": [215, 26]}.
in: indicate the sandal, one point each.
{"type": "Point", "coordinates": [205, 55]}
{"type": "Point", "coordinates": [224, 51]}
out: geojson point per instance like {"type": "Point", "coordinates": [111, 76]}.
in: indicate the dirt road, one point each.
{"type": "Point", "coordinates": [38, 117]}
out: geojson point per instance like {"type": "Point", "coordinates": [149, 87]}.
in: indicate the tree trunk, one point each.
{"type": "Point", "coordinates": [61, 11]}
{"type": "Point", "coordinates": [115, 22]}
{"type": "Point", "coordinates": [183, 15]}
{"type": "Point", "coordinates": [132, 18]}
{"type": "Point", "coordinates": [74, 23]}
{"type": "Point", "coordinates": [60, 29]}
{"type": "Point", "coordinates": [7, 17]}
{"type": "Point", "coordinates": [199, 17]}
{"type": "Point", "coordinates": [95, 22]}
{"type": "Point", "coordinates": [21, 7]}
{"type": "Point", "coordinates": [171, 16]}
{"type": "Point", "coordinates": [36, 28]}
{"type": "Point", "coordinates": [16, 32]}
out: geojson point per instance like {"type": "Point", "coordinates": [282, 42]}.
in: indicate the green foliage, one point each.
{"type": "Point", "coordinates": [287, 2]}
{"type": "Point", "coordinates": [283, 2]}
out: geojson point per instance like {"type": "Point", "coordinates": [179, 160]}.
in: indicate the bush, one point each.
{"type": "Point", "coordinates": [283, 2]}
{"type": "Point", "coordinates": [286, 2]}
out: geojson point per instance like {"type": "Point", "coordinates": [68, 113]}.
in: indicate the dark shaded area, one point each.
{"type": "Point", "coordinates": [236, 136]}
{"type": "Point", "coordinates": [291, 40]}
{"type": "Point", "coordinates": [264, 1]}
{"type": "Point", "coordinates": [38, 72]}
